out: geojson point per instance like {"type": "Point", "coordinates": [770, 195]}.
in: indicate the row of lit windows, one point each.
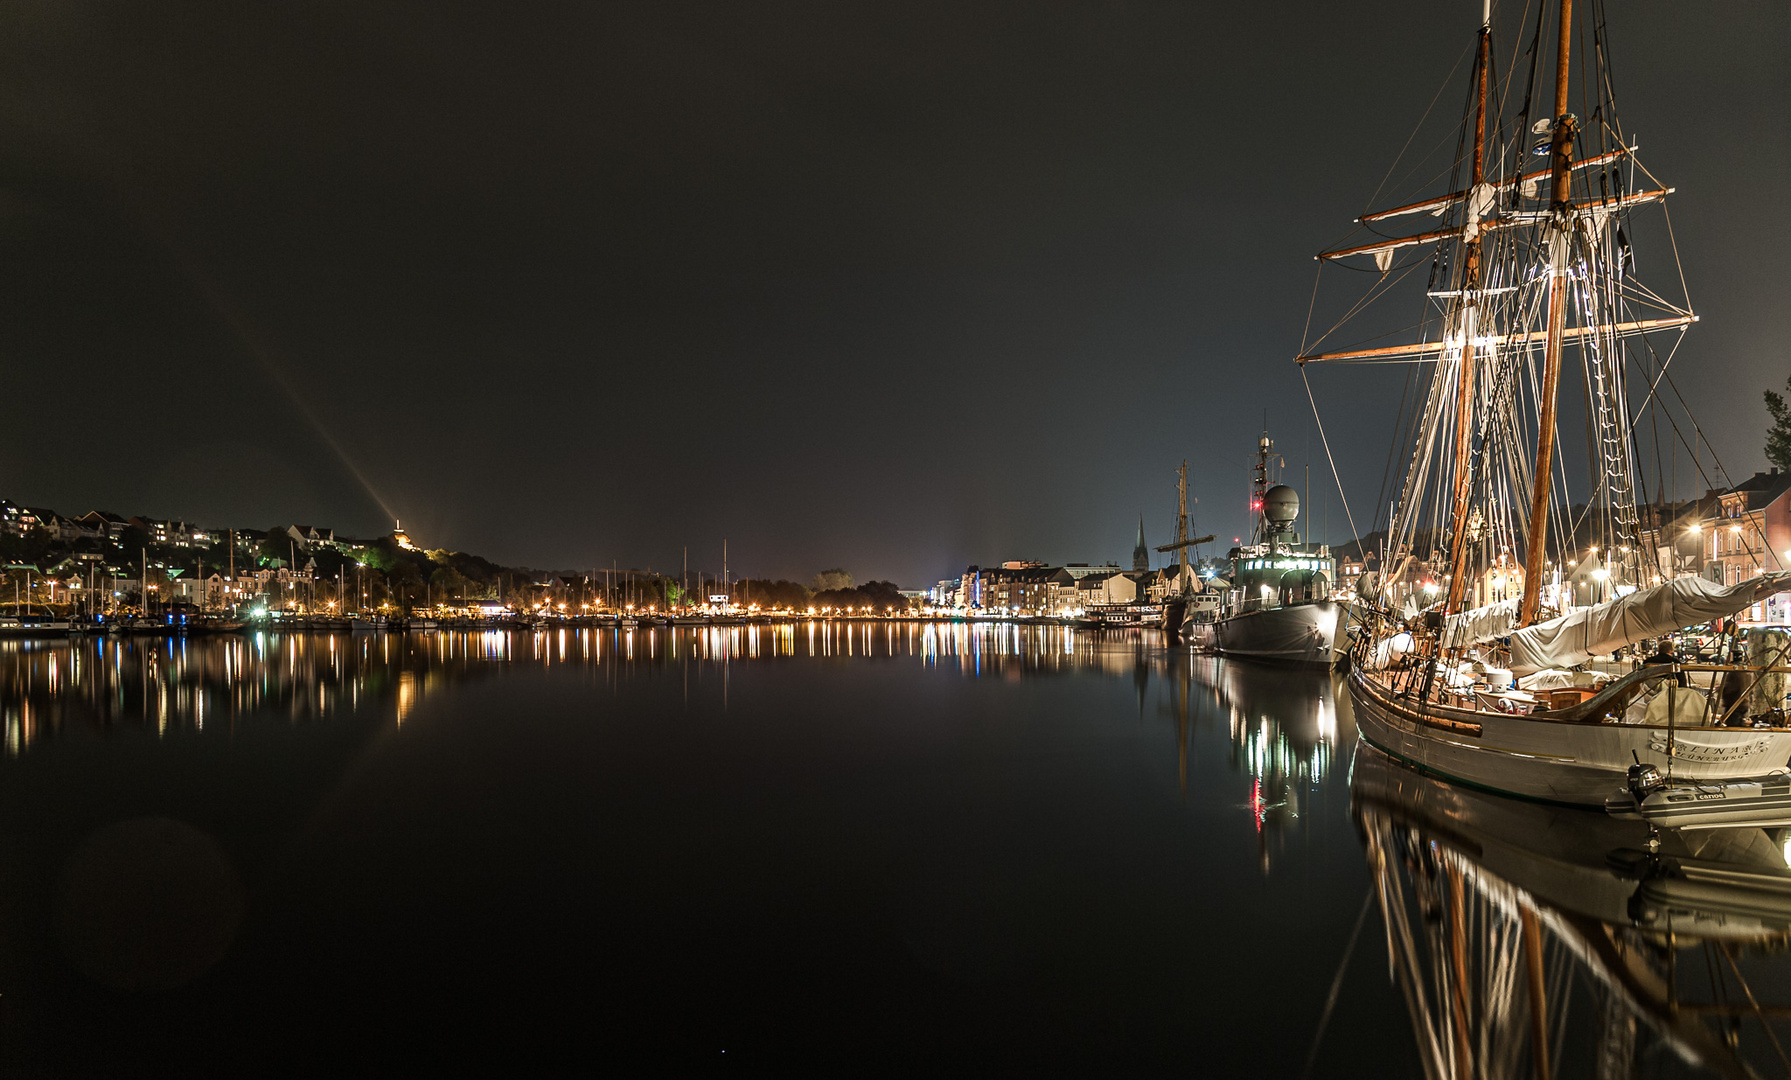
{"type": "Point", "coordinates": [1287, 564]}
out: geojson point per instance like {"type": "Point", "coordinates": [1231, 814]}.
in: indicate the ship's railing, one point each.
{"type": "Point", "coordinates": [1725, 688]}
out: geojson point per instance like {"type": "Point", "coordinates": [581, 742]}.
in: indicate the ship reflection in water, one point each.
{"type": "Point", "coordinates": [1530, 940]}
{"type": "Point", "coordinates": [1028, 843]}
{"type": "Point", "coordinates": [1285, 725]}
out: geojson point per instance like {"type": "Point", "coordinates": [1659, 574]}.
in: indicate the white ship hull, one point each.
{"type": "Point", "coordinates": [1577, 763]}
{"type": "Point", "coordinates": [1302, 634]}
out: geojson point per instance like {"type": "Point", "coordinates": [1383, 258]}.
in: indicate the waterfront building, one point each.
{"type": "Point", "coordinates": [1724, 536]}
{"type": "Point", "coordinates": [1751, 532]}
{"type": "Point", "coordinates": [970, 588]}
{"type": "Point", "coordinates": [1034, 589]}
{"type": "Point", "coordinates": [1029, 587]}
{"type": "Point", "coordinates": [1100, 589]}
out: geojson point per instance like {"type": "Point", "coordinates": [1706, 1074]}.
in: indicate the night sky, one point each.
{"type": "Point", "coordinates": [892, 287]}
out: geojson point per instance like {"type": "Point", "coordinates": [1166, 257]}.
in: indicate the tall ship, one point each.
{"type": "Point", "coordinates": [1477, 660]}
{"type": "Point", "coordinates": [1278, 606]}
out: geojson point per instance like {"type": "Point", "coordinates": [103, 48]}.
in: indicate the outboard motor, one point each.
{"type": "Point", "coordinates": [1644, 780]}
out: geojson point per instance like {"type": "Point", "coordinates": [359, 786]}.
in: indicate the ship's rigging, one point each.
{"type": "Point", "coordinates": [1531, 284]}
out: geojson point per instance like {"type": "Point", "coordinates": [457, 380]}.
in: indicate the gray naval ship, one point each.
{"type": "Point", "coordinates": [1278, 606]}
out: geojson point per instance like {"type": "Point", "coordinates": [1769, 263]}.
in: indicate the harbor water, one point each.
{"type": "Point", "coordinates": [863, 844]}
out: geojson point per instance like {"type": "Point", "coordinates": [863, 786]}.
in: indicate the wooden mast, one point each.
{"type": "Point", "coordinates": [1464, 409]}
{"type": "Point", "coordinates": [1181, 523]}
{"type": "Point", "coordinates": [1560, 242]}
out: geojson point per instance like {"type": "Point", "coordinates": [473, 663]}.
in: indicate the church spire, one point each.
{"type": "Point", "coordinates": [1141, 554]}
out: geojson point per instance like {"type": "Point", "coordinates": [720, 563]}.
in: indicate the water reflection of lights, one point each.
{"type": "Point", "coordinates": [1285, 731]}
{"type": "Point", "coordinates": [407, 694]}
{"type": "Point", "coordinates": [1268, 753]}
{"type": "Point", "coordinates": [167, 686]}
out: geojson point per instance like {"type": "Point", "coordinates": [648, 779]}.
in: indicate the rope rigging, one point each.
{"type": "Point", "coordinates": [1462, 507]}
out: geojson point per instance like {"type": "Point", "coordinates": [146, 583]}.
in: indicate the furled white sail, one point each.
{"type": "Point", "coordinates": [1480, 624]}
{"type": "Point", "coordinates": [1595, 631]}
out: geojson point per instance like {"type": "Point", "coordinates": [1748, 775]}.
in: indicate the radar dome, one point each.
{"type": "Point", "coordinates": [1280, 505]}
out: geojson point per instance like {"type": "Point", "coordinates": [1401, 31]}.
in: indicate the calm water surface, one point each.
{"type": "Point", "coordinates": [864, 845]}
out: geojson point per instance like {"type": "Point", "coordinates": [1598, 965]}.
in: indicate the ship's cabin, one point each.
{"type": "Point", "coordinates": [1281, 575]}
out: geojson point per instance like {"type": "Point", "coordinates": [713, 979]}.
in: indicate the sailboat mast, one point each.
{"type": "Point", "coordinates": [1560, 239]}
{"type": "Point", "coordinates": [1464, 409]}
{"type": "Point", "coordinates": [1181, 522]}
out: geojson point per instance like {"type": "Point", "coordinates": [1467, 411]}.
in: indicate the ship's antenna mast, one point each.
{"type": "Point", "coordinates": [1560, 241]}
{"type": "Point", "coordinates": [1260, 488]}
{"type": "Point", "coordinates": [1479, 200]}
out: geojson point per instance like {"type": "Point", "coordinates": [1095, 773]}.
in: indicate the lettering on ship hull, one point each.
{"type": "Point", "coordinates": [1705, 754]}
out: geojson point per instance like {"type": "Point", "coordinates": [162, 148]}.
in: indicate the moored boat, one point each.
{"type": "Point", "coordinates": [1579, 754]}
{"type": "Point", "coordinates": [1760, 801]}
{"type": "Point", "coordinates": [14, 627]}
{"type": "Point", "coordinates": [1279, 605]}
{"type": "Point", "coordinates": [1478, 657]}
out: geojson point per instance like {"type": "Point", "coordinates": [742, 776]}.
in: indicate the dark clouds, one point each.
{"type": "Point", "coordinates": [892, 287]}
